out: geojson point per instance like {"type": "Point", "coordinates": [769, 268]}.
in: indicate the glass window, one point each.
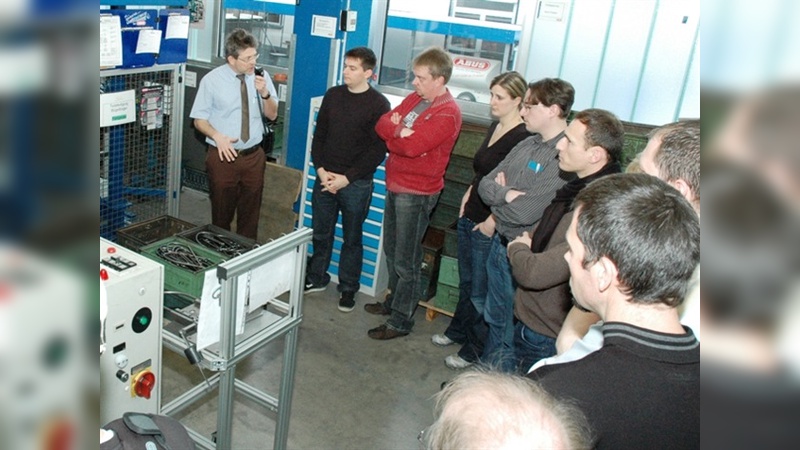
{"type": "Point", "coordinates": [480, 35]}
{"type": "Point", "coordinates": [273, 31]}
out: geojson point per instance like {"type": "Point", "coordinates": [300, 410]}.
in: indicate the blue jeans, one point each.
{"type": "Point", "coordinates": [467, 326]}
{"type": "Point", "coordinates": [406, 218]}
{"type": "Point", "coordinates": [499, 309]}
{"type": "Point", "coordinates": [353, 202]}
{"type": "Point", "coordinates": [530, 347]}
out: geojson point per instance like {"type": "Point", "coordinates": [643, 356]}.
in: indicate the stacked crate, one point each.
{"type": "Point", "coordinates": [443, 286]}
{"type": "Point", "coordinates": [134, 237]}
{"type": "Point", "coordinates": [205, 246]}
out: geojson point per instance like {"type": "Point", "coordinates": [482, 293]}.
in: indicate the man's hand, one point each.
{"type": "Point", "coordinates": [500, 179]}
{"type": "Point", "coordinates": [261, 86]}
{"type": "Point", "coordinates": [486, 227]}
{"type": "Point", "coordinates": [406, 132]}
{"type": "Point", "coordinates": [512, 195]}
{"type": "Point", "coordinates": [324, 176]}
{"type": "Point", "coordinates": [225, 147]}
{"type": "Point", "coordinates": [525, 238]}
{"type": "Point", "coordinates": [396, 118]}
{"type": "Point", "coordinates": [336, 182]}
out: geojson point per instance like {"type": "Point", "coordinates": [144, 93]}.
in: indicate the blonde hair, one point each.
{"type": "Point", "coordinates": [491, 409]}
{"type": "Point", "coordinates": [437, 61]}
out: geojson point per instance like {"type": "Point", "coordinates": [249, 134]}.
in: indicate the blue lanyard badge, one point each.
{"type": "Point", "coordinates": [534, 166]}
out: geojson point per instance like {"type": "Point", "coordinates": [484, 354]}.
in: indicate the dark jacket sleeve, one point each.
{"type": "Point", "coordinates": [540, 271]}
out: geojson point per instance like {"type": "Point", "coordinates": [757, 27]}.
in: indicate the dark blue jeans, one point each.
{"type": "Point", "coordinates": [530, 347]}
{"type": "Point", "coordinates": [467, 326]}
{"type": "Point", "coordinates": [499, 309]}
{"type": "Point", "coordinates": [406, 218]}
{"type": "Point", "coordinates": [353, 202]}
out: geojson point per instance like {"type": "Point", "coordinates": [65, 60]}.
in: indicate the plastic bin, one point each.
{"type": "Point", "coordinates": [141, 234]}
{"type": "Point", "coordinates": [183, 279]}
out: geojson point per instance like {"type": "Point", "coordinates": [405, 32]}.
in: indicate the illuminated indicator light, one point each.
{"type": "Point", "coordinates": [103, 274]}
{"type": "Point", "coordinates": [111, 250]}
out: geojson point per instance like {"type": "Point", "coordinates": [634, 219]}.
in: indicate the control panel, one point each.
{"type": "Point", "coordinates": [130, 366]}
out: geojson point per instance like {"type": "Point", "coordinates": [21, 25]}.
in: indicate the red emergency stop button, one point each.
{"type": "Point", "coordinates": [144, 384]}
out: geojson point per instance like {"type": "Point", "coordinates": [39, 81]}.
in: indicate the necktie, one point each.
{"type": "Point", "coordinates": [245, 135]}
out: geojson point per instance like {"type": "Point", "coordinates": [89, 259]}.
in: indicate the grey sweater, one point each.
{"type": "Point", "coordinates": [531, 167]}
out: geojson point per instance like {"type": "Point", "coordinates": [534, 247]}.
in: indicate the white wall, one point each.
{"type": "Point", "coordinates": [637, 58]}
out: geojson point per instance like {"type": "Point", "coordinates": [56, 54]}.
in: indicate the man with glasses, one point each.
{"type": "Point", "coordinates": [227, 110]}
{"type": "Point", "coordinates": [517, 191]}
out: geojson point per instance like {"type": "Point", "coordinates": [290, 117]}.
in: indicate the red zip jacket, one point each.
{"type": "Point", "coordinates": [416, 164]}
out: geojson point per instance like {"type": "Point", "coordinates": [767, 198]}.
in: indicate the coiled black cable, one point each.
{"type": "Point", "coordinates": [181, 255]}
{"type": "Point", "coordinates": [220, 243]}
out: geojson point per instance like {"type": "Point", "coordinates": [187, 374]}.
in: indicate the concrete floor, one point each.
{"type": "Point", "coordinates": [350, 392]}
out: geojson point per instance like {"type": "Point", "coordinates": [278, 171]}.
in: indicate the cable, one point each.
{"type": "Point", "coordinates": [181, 255]}
{"type": "Point", "coordinates": [221, 243]}
{"type": "Point", "coordinates": [194, 356]}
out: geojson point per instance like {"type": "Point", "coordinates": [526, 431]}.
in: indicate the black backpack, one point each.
{"type": "Point", "coordinates": [140, 431]}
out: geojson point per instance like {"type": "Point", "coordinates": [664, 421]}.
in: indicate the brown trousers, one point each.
{"type": "Point", "coordinates": [235, 188]}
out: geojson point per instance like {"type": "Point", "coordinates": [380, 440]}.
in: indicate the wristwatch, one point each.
{"type": "Point", "coordinates": [269, 95]}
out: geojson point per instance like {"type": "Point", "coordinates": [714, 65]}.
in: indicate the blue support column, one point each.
{"type": "Point", "coordinates": [360, 37]}
{"type": "Point", "coordinates": [310, 72]}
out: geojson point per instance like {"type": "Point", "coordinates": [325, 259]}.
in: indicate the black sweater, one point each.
{"type": "Point", "coordinates": [345, 141]}
{"type": "Point", "coordinates": [640, 391]}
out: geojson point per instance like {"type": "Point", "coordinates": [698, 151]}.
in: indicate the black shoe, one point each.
{"type": "Point", "coordinates": [384, 333]}
{"type": "Point", "coordinates": [311, 287]}
{"type": "Point", "coordinates": [378, 308]}
{"type": "Point", "coordinates": [347, 302]}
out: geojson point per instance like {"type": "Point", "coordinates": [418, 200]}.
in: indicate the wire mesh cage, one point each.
{"type": "Point", "coordinates": [137, 158]}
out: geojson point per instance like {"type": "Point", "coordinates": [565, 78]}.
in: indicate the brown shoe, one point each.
{"type": "Point", "coordinates": [378, 308]}
{"type": "Point", "coordinates": [383, 333]}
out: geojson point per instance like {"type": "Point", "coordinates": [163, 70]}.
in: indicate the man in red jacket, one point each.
{"type": "Point", "coordinates": [420, 134]}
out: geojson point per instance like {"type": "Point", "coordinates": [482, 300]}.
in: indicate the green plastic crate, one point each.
{"type": "Point", "coordinates": [431, 252]}
{"type": "Point", "coordinates": [448, 271]}
{"type": "Point", "coordinates": [451, 240]}
{"type": "Point", "coordinates": [427, 287]}
{"type": "Point", "coordinates": [634, 144]}
{"type": "Point", "coordinates": [459, 169]}
{"type": "Point", "coordinates": [446, 297]}
{"type": "Point", "coordinates": [144, 233]}
{"type": "Point", "coordinates": [452, 193]}
{"type": "Point", "coordinates": [182, 279]}
{"type": "Point", "coordinates": [469, 141]}
{"type": "Point", "coordinates": [443, 215]}
{"type": "Point", "coordinates": [224, 242]}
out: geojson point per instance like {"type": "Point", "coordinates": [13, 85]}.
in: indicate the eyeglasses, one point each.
{"type": "Point", "coordinates": [249, 59]}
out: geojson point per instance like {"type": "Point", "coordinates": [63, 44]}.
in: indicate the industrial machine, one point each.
{"type": "Point", "coordinates": [130, 365]}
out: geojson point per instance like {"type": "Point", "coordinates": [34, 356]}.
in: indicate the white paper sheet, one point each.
{"type": "Point", "coordinates": [110, 41]}
{"type": "Point", "coordinates": [149, 41]}
{"type": "Point", "coordinates": [209, 320]}
{"type": "Point", "coordinates": [117, 108]}
{"type": "Point", "coordinates": [177, 27]}
{"type": "Point", "coordinates": [271, 280]}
